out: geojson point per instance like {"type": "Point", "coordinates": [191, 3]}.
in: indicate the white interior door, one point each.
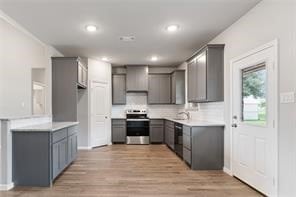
{"type": "Point", "coordinates": [253, 120]}
{"type": "Point", "coordinates": [100, 114]}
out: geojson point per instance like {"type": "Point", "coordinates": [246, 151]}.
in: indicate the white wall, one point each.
{"type": "Point", "coordinates": [19, 53]}
{"type": "Point", "coordinates": [269, 20]}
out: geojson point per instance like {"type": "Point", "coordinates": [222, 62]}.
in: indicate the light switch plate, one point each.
{"type": "Point", "coordinates": [287, 97]}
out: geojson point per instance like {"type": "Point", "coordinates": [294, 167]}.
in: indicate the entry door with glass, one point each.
{"type": "Point", "coordinates": [253, 119]}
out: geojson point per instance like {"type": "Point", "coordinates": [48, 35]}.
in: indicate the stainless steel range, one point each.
{"type": "Point", "coordinates": [137, 124]}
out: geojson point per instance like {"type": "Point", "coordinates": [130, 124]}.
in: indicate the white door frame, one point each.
{"type": "Point", "coordinates": [274, 44]}
{"type": "Point", "coordinates": [89, 107]}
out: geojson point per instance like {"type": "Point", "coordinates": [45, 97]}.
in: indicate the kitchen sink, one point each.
{"type": "Point", "coordinates": [180, 119]}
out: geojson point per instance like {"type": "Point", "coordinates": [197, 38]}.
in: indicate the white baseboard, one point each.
{"type": "Point", "coordinates": [6, 187]}
{"type": "Point", "coordinates": [84, 147]}
{"type": "Point", "coordinates": [227, 171]}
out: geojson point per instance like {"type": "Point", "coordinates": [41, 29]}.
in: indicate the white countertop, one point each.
{"type": "Point", "coordinates": [47, 127]}
{"type": "Point", "coordinates": [190, 123]}
{"type": "Point", "coordinates": [196, 123]}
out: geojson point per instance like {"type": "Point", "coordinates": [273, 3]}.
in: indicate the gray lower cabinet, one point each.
{"type": "Point", "coordinates": [203, 147]}
{"type": "Point", "coordinates": [40, 156]}
{"type": "Point", "coordinates": [170, 134]}
{"type": "Point", "coordinates": [136, 78]}
{"type": "Point", "coordinates": [118, 130]}
{"type": "Point", "coordinates": [206, 76]}
{"type": "Point", "coordinates": [156, 131]}
{"type": "Point", "coordinates": [159, 89]}
{"type": "Point", "coordinates": [72, 147]}
{"type": "Point", "coordinates": [118, 89]}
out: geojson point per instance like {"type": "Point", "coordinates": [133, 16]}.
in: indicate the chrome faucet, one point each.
{"type": "Point", "coordinates": [186, 113]}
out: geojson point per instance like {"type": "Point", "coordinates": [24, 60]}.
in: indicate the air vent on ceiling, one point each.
{"type": "Point", "coordinates": [127, 38]}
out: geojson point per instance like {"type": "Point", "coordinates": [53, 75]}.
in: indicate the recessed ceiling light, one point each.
{"type": "Point", "coordinates": [91, 28]}
{"type": "Point", "coordinates": [154, 58]}
{"type": "Point", "coordinates": [172, 28]}
{"type": "Point", "coordinates": [105, 59]}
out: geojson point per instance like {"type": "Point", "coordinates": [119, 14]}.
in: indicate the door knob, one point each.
{"type": "Point", "coordinates": [234, 125]}
{"type": "Point", "coordinates": [106, 117]}
{"type": "Point", "coordinates": [234, 117]}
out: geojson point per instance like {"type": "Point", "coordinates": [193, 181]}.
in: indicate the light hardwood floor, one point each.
{"type": "Point", "coordinates": [132, 170]}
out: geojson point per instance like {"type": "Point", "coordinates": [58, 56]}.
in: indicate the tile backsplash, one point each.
{"type": "Point", "coordinates": [208, 112]}
{"type": "Point", "coordinates": [139, 101]}
{"type": "Point", "coordinates": [204, 111]}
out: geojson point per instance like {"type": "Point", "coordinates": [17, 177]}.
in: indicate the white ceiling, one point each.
{"type": "Point", "coordinates": [61, 23]}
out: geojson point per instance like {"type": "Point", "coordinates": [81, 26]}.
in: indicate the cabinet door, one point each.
{"type": "Point", "coordinates": [159, 91]}
{"type": "Point", "coordinates": [164, 89]}
{"type": "Point", "coordinates": [84, 77]}
{"type": "Point", "coordinates": [166, 136]}
{"type": "Point", "coordinates": [137, 78]}
{"type": "Point", "coordinates": [70, 153]}
{"type": "Point", "coordinates": [153, 89]}
{"type": "Point", "coordinates": [173, 100]}
{"type": "Point", "coordinates": [63, 155]}
{"type": "Point", "coordinates": [80, 74]}
{"type": "Point", "coordinates": [118, 134]}
{"type": "Point", "coordinates": [201, 70]}
{"type": "Point", "coordinates": [118, 89]}
{"type": "Point", "coordinates": [55, 160]}
{"type": "Point", "coordinates": [171, 138]}
{"type": "Point", "coordinates": [156, 134]}
{"type": "Point", "coordinates": [191, 73]}
{"type": "Point", "coordinates": [72, 148]}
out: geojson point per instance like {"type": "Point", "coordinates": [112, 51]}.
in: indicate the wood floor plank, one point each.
{"type": "Point", "coordinates": [136, 171]}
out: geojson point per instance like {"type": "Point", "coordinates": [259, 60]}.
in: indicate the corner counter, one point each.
{"type": "Point", "coordinates": [41, 152]}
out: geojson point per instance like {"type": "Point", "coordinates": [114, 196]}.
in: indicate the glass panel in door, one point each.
{"type": "Point", "coordinates": [254, 110]}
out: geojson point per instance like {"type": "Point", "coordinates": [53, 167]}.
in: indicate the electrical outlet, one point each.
{"type": "Point", "coordinates": [287, 97]}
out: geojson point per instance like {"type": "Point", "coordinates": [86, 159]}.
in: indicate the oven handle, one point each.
{"type": "Point", "coordinates": [137, 120]}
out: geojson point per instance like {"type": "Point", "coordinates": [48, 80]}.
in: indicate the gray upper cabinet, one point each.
{"type": "Point", "coordinates": [137, 78]}
{"type": "Point", "coordinates": [118, 89]}
{"type": "Point", "coordinates": [206, 75]}
{"type": "Point", "coordinates": [64, 88]}
{"type": "Point", "coordinates": [178, 87]}
{"type": "Point", "coordinates": [159, 89]}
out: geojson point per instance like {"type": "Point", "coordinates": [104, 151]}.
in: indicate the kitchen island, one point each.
{"type": "Point", "coordinates": [41, 152]}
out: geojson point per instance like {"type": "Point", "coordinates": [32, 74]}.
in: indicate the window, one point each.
{"type": "Point", "coordinates": [254, 95]}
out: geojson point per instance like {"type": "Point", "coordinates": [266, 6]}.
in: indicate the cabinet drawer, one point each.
{"type": "Point", "coordinates": [72, 130]}
{"type": "Point", "coordinates": [187, 155]}
{"type": "Point", "coordinates": [118, 121]}
{"type": "Point", "coordinates": [156, 122]}
{"type": "Point", "coordinates": [186, 130]}
{"type": "Point", "coordinates": [169, 124]}
{"type": "Point", "coordinates": [187, 141]}
{"type": "Point", "coordinates": [59, 135]}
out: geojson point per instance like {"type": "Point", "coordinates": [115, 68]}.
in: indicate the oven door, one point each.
{"type": "Point", "coordinates": [137, 131]}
